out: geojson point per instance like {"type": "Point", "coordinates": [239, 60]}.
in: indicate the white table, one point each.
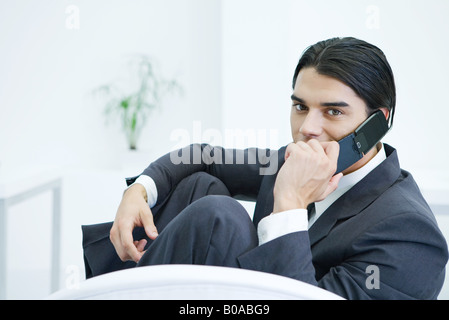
{"type": "Point", "coordinates": [13, 192]}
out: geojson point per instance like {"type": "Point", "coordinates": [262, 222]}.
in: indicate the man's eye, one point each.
{"type": "Point", "coordinates": [300, 107]}
{"type": "Point", "coordinates": [334, 112]}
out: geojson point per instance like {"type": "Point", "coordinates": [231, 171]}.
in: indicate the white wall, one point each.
{"type": "Point", "coordinates": [49, 70]}
{"type": "Point", "coordinates": [235, 60]}
{"type": "Point", "coordinates": [50, 122]}
{"type": "Point", "coordinates": [256, 71]}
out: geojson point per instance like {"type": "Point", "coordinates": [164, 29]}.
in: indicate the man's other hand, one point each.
{"type": "Point", "coordinates": [132, 212]}
{"type": "Point", "coordinates": [307, 174]}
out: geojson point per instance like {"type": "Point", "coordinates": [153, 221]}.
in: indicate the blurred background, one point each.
{"type": "Point", "coordinates": [232, 62]}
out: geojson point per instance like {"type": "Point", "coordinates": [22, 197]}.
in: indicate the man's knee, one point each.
{"type": "Point", "coordinates": [208, 184]}
{"type": "Point", "coordinates": [224, 209]}
{"type": "Point", "coordinates": [187, 191]}
{"type": "Point", "coordinates": [224, 227]}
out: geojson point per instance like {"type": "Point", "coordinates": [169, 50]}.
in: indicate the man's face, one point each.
{"type": "Point", "coordinates": [324, 108]}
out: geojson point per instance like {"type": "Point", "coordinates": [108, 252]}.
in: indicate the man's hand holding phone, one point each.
{"type": "Point", "coordinates": [307, 175]}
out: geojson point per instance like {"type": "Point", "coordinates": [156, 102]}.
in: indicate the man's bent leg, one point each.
{"type": "Point", "coordinates": [190, 189]}
{"type": "Point", "coordinates": [214, 230]}
{"type": "Point", "coordinates": [99, 253]}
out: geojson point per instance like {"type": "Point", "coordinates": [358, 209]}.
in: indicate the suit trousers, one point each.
{"type": "Point", "coordinates": [198, 223]}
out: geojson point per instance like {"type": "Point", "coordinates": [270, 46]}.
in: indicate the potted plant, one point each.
{"type": "Point", "coordinates": [134, 105]}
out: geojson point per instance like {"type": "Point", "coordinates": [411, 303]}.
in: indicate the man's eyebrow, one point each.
{"type": "Point", "coordinates": [323, 104]}
{"type": "Point", "coordinates": [293, 97]}
{"type": "Point", "coordinates": [335, 104]}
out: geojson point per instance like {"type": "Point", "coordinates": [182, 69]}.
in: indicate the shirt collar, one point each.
{"type": "Point", "coordinates": [347, 182]}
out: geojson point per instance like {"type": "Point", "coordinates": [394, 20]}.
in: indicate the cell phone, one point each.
{"type": "Point", "coordinates": [354, 146]}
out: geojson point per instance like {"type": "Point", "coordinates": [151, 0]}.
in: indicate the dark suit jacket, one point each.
{"type": "Point", "coordinates": [381, 230]}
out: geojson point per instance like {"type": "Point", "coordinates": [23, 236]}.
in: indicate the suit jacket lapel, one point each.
{"type": "Point", "coordinates": [358, 197]}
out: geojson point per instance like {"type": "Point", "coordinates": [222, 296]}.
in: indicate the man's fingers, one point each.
{"type": "Point", "coordinates": [140, 245]}
{"type": "Point", "coordinates": [288, 151]}
{"type": "Point", "coordinates": [332, 149]}
{"type": "Point", "coordinates": [331, 186]}
{"type": "Point", "coordinates": [304, 146]}
{"type": "Point", "coordinates": [115, 237]}
{"type": "Point", "coordinates": [316, 146]}
{"type": "Point", "coordinates": [148, 223]}
{"type": "Point", "coordinates": [333, 183]}
{"type": "Point", "coordinates": [129, 249]}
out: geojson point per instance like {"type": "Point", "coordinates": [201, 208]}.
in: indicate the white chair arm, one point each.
{"type": "Point", "coordinates": [193, 282]}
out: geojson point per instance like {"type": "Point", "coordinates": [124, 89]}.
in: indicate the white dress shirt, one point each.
{"type": "Point", "coordinates": [282, 223]}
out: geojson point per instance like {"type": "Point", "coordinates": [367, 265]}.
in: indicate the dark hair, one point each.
{"type": "Point", "coordinates": [360, 65]}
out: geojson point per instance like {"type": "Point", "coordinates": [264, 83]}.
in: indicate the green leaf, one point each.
{"type": "Point", "coordinates": [124, 103]}
{"type": "Point", "coordinates": [134, 122]}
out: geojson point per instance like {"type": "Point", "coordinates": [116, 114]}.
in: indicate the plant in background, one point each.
{"type": "Point", "coordinates": [134, 106]}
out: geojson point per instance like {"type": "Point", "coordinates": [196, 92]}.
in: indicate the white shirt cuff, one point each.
{"type": "Point", "coordinates": [150, 187]}
{"type": "Point", "coordinates": [281, 223]}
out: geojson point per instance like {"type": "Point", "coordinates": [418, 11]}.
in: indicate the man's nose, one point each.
{"type": "Point", "coordinates": [312, 125]}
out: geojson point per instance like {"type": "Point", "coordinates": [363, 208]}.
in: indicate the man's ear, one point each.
{"type": "Point", "coordinates": [386, 112]}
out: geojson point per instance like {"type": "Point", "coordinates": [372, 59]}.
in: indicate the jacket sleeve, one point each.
{"type": "Point", "coordinates": [288, 256]}
{"type": "Point", "coordinates": [381, 263]}
{"type": "Point", "coordinates": [385, 263]}
{"type": "Point", "coordinates": [240, 170]}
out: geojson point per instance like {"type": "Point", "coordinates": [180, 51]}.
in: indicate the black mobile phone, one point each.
{"type": "Point", "coordinates": [354, 146]}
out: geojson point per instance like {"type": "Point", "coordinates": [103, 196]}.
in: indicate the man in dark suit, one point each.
{"type": "Point", "coordinates": [363, 233]}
